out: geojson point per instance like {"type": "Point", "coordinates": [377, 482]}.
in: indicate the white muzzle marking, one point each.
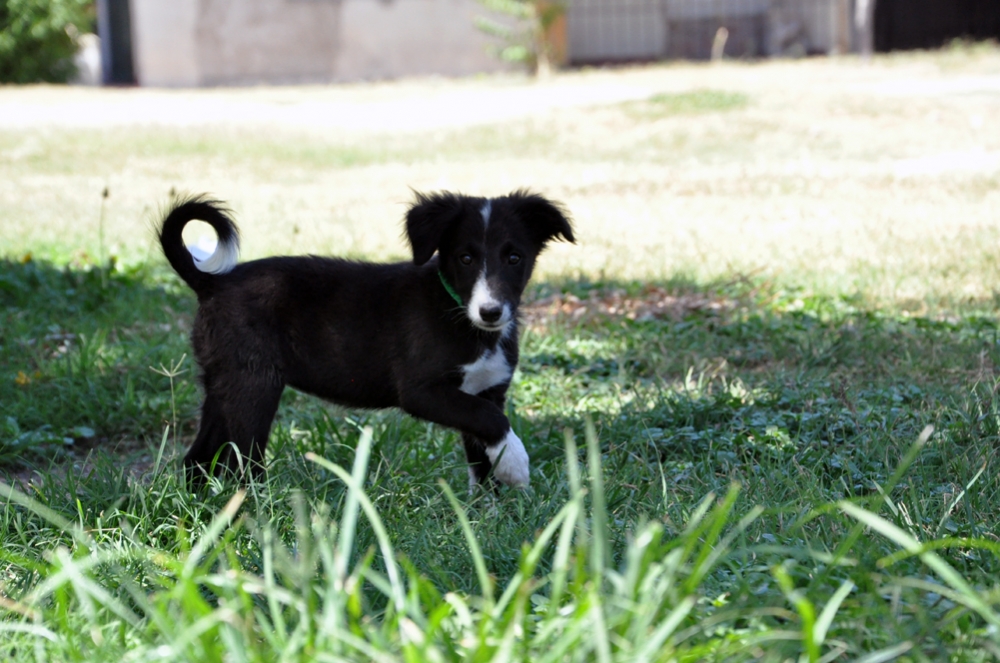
{"type": "Point", "coordinates": [482, 297]}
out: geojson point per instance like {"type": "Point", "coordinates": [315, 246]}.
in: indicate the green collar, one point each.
{"type": "Point", "coordinates": [449, 289]}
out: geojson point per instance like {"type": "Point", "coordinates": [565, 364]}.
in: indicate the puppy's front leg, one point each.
{"type": "Point", "coordinates": [510, 460]}
{"type": "Point", "coordinates": [476, 417]}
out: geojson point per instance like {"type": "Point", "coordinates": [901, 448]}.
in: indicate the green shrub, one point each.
{"type": "Point", "coordinates": [528, 34]}
{"type": "Point", "coordinates": [37, 39]}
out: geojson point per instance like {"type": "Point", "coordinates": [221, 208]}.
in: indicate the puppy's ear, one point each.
{"type": "Point", "coordinates": [428, 220]}
{"type": "Point", "coordinates": [544, 219]}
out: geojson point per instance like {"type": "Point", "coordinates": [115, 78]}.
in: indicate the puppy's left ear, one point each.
{"type": "Point", "coordinates": [428, 220]}
{"type": "Point", "coordinates": [544, 219]}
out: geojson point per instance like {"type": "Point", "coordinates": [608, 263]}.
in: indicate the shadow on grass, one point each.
{"type": "Point", "coordinates": [76, 350]}
{"type": "Point", "coordinates": [800, 399]}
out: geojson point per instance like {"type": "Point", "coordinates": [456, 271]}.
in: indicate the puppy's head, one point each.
{"type": "Point", "coordinates": [486, 247]}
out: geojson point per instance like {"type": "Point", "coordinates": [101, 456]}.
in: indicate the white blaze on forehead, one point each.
{"type": "Point", "coordinates": [486, 210]}
{"type": "Point", "coordinates": [488, 371]}
{"type": "Point", "coordinates": [481, 295]}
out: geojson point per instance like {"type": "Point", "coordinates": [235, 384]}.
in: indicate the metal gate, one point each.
{"type": "Point", "coordinates": [629, 30]}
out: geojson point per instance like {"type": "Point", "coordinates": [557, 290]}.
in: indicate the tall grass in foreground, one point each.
{"type": "Point", "coordinates": [227, 596]}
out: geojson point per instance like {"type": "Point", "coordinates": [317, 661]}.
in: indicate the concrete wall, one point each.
{"type": "Point", "coordinates": [164, 47]}
{"type": "Point", "coordinates": [233, 42]}
{"type": "Point", "coordinates": [251, 41]}
{"type": "Point", "coordinates": [385, 39]}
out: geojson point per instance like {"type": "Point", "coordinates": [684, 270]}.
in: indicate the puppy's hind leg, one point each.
{"type": "Point", "coordinates": [233, 432]}
{"type": "Point", "coordinates": [212, 435]}
{"type": "Point", "coordinates": [249, 419]}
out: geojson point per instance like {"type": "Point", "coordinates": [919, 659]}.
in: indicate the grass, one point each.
{"type": "Point", "coordinates": [790, 459]}
{"type": "Point", "coordinates": [735, 442]}
{"type": "Point", "coordinates": [664, 105]}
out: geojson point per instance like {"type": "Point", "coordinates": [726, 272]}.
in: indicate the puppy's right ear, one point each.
{"type": "Point", "coordinates": [428, 220]}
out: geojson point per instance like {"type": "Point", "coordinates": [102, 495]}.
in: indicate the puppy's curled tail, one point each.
{"type": "Point", "coordinates": [197, 269]}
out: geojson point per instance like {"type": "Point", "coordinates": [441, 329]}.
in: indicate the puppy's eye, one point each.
{"type": "Point", "coordinates": [465, 259]}
{"type": "Point", "coordinates": [514, 259]}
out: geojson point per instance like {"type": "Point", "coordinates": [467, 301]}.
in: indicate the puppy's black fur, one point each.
{"type": "Point", "coordinates": [367, 335]}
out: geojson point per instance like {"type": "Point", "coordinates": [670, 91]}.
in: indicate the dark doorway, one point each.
{"type": "Point", "coordinates": [114, 26]}
{"type": "Point", "coordinates": [909, 24]}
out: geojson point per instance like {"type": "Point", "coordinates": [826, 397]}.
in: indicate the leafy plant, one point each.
{"type": "Point", "coordinates": [38, 39]}
{"type": "Point", "coordinates": [528, 33]}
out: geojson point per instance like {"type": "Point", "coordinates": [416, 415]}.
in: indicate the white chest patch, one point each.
{"type": "Point", "coordinates": [488, 371]}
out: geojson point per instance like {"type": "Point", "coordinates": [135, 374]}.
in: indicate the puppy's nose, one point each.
{"type": "Point", "coordinates": [490, 313]}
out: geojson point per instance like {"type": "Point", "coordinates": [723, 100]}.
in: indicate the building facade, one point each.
{"type": "Point", "coordinates": [193, 43]}
{"type": "Point", "coordinates": [239, 42]}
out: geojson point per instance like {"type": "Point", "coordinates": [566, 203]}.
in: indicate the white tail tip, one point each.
{"type": "Point", "coordinates": [217, 259]}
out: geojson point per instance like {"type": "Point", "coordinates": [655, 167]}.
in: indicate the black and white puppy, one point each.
{"type": "Point", "coordinates": [437, 337]}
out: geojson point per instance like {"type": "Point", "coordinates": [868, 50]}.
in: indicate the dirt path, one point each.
{"type": "Point", "coordinates": [436, 103]}
{"type": "Point", "coordinates": [397, 106]}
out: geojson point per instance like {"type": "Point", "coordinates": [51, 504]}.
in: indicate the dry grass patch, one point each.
{"type": "Point", "coordinates": [825, 173]}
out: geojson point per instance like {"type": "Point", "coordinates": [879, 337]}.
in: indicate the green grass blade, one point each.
{"type": "Point", "coordinates": [951, 577]}
{"type": "Point", "coordinates": [485, 582]}
{"type": "Point", "coordinates": [942, 544]}
{"type": "Point", "coordinates": [958, 498]}
{"type": "Point", "coordinates": [30, 629]}
{"type": "Point", "coordinates": [561, 557]}
{"type": "Point", "coordinates": [11, 494]}
{"type": "Point", "coordinates": [601, 642]}
{"type": "Point", "coordinates": [158, 463]}
{"type": "Point", "coordinates": [803, 606]}
{"type": "Point", "coordinates": [664, 630]}
{"type": "Point", "coordinates": [887, 654]}
{"type": "Point", "coordinates": [531, 557]}
{"type": "Point", "coordinates": [851, 539]}
{"type": "Point", "coordinates": [717, 521]}
{"type": "Point", "coordinates": [398, 593]}
{"type": "Point", "coordinates": [349, 516]}
{"type": "Point", "coordinates": [829, 611]}
{"type": "Point", "coordinates": [572, 464]}
{"type": "Point", "coordinates": [212, 534]}
{"type": "Point", "coordinates": [598, 505]}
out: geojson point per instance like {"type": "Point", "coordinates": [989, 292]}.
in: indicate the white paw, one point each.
{"type": "Point", "coordinates": [512, 469]}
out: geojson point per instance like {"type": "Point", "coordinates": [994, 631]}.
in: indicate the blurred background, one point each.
{"type": "Point", "coordinates": [848, 146]}
{"type": "Point", "coordinates": [232, 42]}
